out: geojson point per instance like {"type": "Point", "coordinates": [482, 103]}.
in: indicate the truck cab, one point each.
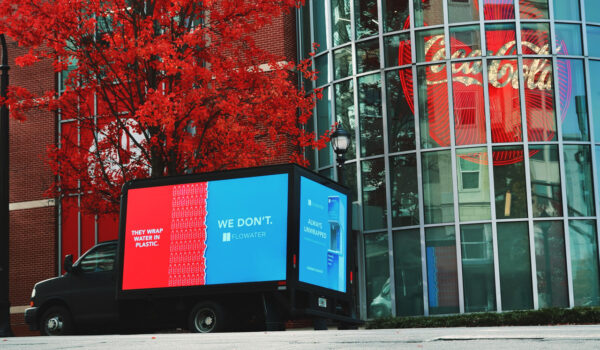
{"type": "Point", "coordinates": [83, 296]}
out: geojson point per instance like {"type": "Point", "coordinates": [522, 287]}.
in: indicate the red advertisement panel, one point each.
{"type": "Point", "coordinates": [166, 226]}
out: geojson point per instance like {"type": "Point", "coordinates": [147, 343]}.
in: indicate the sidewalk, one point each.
{"type": "Point", "coordinates": [509, 338]}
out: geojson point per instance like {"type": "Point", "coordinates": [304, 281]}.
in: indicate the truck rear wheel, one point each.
{"type": "Point", "coordinates": [207, 317]}
{"type": "Point", "coordinates": [56, 321]}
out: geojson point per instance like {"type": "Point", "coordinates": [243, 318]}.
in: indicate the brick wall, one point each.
{"type": "Point", "coordinates": [280, 38]}
{"type": "Point", "coordinates": [33, 232]}
{"type": "Point", "coordinates": [33, 242]}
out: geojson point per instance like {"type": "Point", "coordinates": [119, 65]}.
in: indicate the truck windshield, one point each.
{"type": "Point", "coordinates": [101, 258]}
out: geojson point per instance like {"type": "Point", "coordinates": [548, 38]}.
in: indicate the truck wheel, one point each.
{"type": "Point", "coordinates": [56, 321]}
{"type": "Point", "coordinates": [207, 317]}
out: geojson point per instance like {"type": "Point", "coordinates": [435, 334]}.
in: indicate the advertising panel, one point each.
{"type": "Point", "coordinates": [323, 236]}
{"type": "Point", "coordinates": [206, 233]}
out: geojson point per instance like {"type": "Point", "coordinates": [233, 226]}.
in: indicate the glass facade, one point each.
{"type": "Point", "coordinates": [475, 142]}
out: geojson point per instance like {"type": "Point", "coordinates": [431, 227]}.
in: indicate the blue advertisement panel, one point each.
{"type": "Point", "coordinates": [204, 233]}
{"type": "Point", "coordinates": [323, 234]}
{"type": "Point", "coordinates": [247, 229]}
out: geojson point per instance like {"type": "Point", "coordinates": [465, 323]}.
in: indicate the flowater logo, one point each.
{"type": "Point", "coordinates": [228, 236]}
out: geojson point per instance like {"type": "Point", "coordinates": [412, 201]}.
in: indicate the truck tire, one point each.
{"type": "Point", "coordinates": [207, 317]}
{"type": "Point", "coordinates": [56, 321]}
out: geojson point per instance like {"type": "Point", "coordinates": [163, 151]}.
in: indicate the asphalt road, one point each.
{"type": "Point", "coordinates": [549, 337]}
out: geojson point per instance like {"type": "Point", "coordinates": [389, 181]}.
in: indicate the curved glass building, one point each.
{"type": "Point", "coordinates": [476, 143]}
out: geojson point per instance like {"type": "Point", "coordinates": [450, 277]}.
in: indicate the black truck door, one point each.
{"type": "Point", "coordinates": [93, 287]}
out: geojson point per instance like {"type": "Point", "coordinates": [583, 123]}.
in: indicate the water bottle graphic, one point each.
{"type": "Point", "coordinates": [334, 218]}
{"type": "Point", "coordinates": [188, 235]}
{"type": "Point", "coordinates": [335, 253]}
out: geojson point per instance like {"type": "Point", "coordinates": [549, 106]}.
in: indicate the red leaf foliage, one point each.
{"type": "Point", "coordinates": [159, 88]}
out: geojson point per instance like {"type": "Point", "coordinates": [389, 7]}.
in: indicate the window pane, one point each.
{"type": "Point", "coordinates": [328, 173]}
{"type": "Point", "coordinates": [371, 121]}
{"type": "Point", "coordinates": [505, 109]}
{"type": "Point", "coordinates": [551, 264]}
{"type": "Point", "coordinates": [324, 123]}
{"type": "Point", "coordinates": [534, 9]}
{"type": "Point", "coordinates": [465, 42]}
{"type": "Point", "coordinates": [539, 99]}
{"type": "Point", "coordinates": [367, 56]}
{"type": "Point", "coordinates": [433, 106]}
{"type": "Point", "coordinates": [473, 184]}
{"type": "Point", "coordinates": [428, 13]}
{"type": "Point", "coordinates": [377, 268]}
{"type": "Point", "coordinates": [395, 15]}
{"type": "Point", "coordinates": [593, 36]}
{"type": "Point", "coordinates": [321, 65]}
{"type": "Point", "coordinates": [306, 40]}
{"type": "Point", "coordinates": [349, 180]}
{"type": "Point", "coordinates": [366, 21]}
{"type": "Point", "coordinates": [309, 152]}
{"type": "Point", "coordinates": [64, 75]}
{"type": "Point", "coordinates": [598, 164]}
{"type": "Point", "coordinates": [340, 21]}
{"type": "Point", "coordinates": [468, 99]}
{"type": "Point", "coordinates": [566, 9]}
{"type": "Point", "coordinates": [595, 91]}
{"type": "Point", "coordinates": [584, 262]}
{"type": "Point", "coordinates": [342, 62]}
{"type": "Point", "coordinates": [509, 183]}
{"type": "Point", "coordinates": [578, 173]}
{"type": "Point", "coordinates": [478, 267]}
{"type": "Point", "coordinates": [400, 116]}
{"type": "Point", "coordinates": [500, 39]}
{"type": "Point", "coordinates": [494, 9]}
{"type": "Point", "coordinates": [463, 11]}
{"type": "Point", "coordinates": [405, 197]}
{"type": "Point", "coordinates": [319, 26]}
{"type": "Point", "coordinates": [573, 104]}
{"type": "Point", "coordinates": [408, 274]}
{"type": "Point", "coordinates": [545, 181]}
{"type": "Point", "coordinates": [592, 11]}
{"type": "Point", "coordinates": [438, 195]}
{"type": "Point", "coordinates": [344, 112]}
{"type": "Point", "coordinates": [373, 187]}
{"type": "Point", "coordinates": [568, 39]}
{"type": "Point", "coordinates": [535, 38]}
{"type": "Point", "coordinates": [430, 45]}
{"type": "Point", "coordinates": [515, 266]}
{"type": "Point", "coordinates": [397, 50]}
{"type": "Point", "coordinates": [442, 274]}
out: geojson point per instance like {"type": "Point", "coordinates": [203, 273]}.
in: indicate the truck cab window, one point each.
{"type": "Point", "coordinates": [99, 259]}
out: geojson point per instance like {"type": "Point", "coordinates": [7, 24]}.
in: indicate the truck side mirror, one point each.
{"type": "Point", "coordinates": [68, 264]}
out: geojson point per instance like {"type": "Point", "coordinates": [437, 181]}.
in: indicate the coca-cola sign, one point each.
{"type": "Point", "coordinates": [503, 89]}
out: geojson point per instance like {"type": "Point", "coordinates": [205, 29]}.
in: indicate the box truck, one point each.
{"type": "Point", "coordinates": [210, 252]}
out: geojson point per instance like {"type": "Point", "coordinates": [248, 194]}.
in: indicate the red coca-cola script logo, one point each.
{"type": "Point", "coordinates": [503, 86]}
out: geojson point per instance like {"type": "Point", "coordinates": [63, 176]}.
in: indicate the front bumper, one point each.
{"type": "Point", "coordinates": [31, 318]}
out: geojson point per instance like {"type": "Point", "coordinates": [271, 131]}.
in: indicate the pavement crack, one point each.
{"type": "Point", "coordinates": [485, 338]}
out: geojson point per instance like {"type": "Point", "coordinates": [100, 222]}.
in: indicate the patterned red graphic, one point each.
{"type": "Point", "coordinates": [503, 86]}
{"type": "Point", "coordinates": [187, 263]}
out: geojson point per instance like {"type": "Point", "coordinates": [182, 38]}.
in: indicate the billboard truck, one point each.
{"type": "Point", "coordinates": [210, 252]}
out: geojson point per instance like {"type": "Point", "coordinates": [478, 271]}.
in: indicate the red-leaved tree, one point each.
{"type": "Point", "coordinates": [159, 88]}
